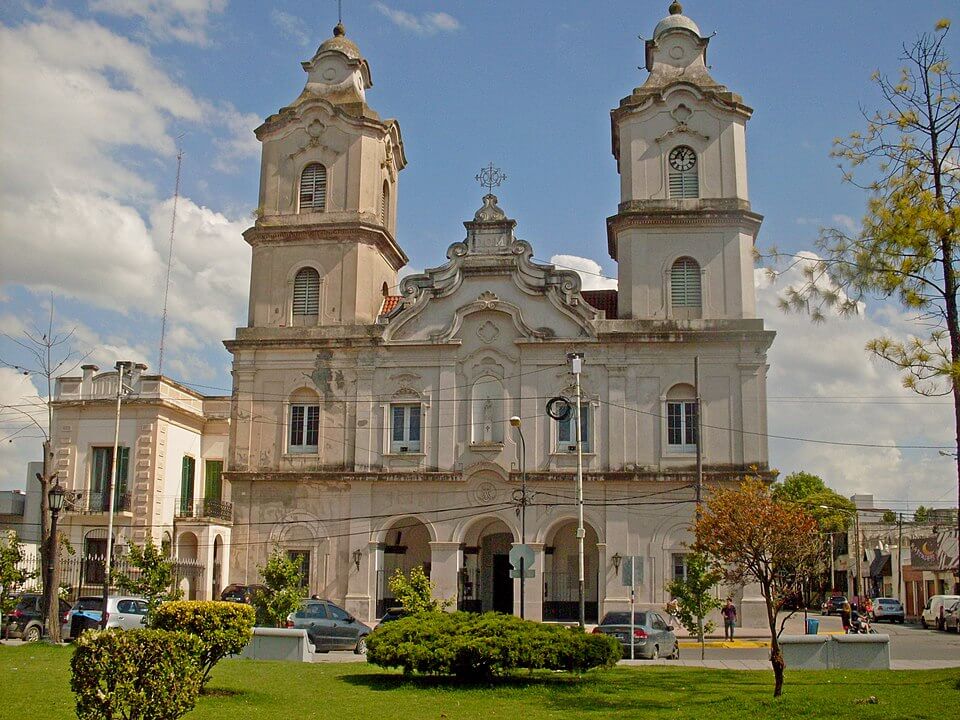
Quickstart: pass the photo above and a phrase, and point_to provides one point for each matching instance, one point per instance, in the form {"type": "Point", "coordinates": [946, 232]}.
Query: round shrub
{"type": "Point", "coordinates": [223, 628]}
{"type": "Point", "coordinates": [135, 674]}
{"type": "Point", "coordinates": [482, 646]}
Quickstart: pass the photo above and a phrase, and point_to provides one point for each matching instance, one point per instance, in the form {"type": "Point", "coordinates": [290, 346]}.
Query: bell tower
{"type": "Point", "coordinates": [323, 242]}
{"type": "Point", "coordinates": [684, 231]}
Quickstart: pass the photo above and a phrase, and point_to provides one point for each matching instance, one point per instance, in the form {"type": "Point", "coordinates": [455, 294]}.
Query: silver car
{"type": "Point", "coordinates": [653, 636]}
{"type": "Point", "coordinates": [126, 612]}
{"type": "Point", "coordinates": [330, 627]}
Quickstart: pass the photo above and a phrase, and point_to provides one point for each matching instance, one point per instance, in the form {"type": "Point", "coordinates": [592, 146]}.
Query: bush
{"type": "Point", "coordinates": [284, 589]}
{"type": "Point", "coordinates": [482, 646]}
{"type": "Point", "coordinates": [223, 628]}
{"type": "Point", "coordinates": [135, 674]}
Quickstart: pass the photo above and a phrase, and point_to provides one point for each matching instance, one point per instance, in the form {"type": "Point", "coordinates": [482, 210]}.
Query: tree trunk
{"type": "Point", "coordinates": [703, 649]}
{"type": "Point", "coordinates": [776, 656]}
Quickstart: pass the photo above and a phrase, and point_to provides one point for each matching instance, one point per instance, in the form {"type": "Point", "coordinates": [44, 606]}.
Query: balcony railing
{"type": "Point", "coordinates": [97, 502]}
{"type": "Point", "coordinates": [204, 508]}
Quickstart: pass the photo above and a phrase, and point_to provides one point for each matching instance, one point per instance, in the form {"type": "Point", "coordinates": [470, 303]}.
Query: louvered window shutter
{"type": "Point", "coordinates": [685, 283]}
{"type": "Point", "coordinates": [684, 183]}
{"type": "Point", "coordinates": [384, 204]}
{"type": "Point", "coordinates": [306, 292]}
{"type": "Point", "coordinates": [313, 188]}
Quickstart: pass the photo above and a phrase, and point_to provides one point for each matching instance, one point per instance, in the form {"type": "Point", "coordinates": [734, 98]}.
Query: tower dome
{"type": "Point", "coordinates": [674, 21]}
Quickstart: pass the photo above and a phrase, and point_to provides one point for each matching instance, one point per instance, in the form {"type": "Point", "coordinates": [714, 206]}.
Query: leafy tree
{"type": "Point", "coordinates": [415, 592]}
{"type": "Point", "coordinates": [889, 516]}
{"type": "Point", "coordinates": [284, 589]}
{"type": "Point", "coordinates": [921, 514]}
{"type": "Point", "coordinates": [753, 538]}
{"type": "Point", "coordinates": [694, 596]}
{"type": "Point", "coordinates": [832, 511]}
{"type": "Point", "coordinates": [12, 576]}
{"type": "Point", "coordinates": [907, 245]}
{"type": "Point", "coordinates": [154, 579]}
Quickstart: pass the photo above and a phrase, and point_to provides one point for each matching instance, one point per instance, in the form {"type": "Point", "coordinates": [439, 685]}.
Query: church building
{"type": "Point", "coordinates": [370, 425]}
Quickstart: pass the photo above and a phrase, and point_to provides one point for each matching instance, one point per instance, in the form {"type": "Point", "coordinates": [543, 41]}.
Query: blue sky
{"type": "Point", "coordinates": [97, 94]}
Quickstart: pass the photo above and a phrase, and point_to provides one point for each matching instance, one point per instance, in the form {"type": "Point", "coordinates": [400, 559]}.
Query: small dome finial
{"type": "Point", "coordinates": [339, 30]}
{"type": "Point", "coordinates": [676, 8]}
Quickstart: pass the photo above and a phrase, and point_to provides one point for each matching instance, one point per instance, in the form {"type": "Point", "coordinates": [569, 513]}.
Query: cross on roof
{"type": "Point", "coordinates": [491, 177]}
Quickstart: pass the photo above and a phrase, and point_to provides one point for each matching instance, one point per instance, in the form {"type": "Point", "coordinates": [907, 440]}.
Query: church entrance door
{"type": "Point", "coordinates": [502, 585]}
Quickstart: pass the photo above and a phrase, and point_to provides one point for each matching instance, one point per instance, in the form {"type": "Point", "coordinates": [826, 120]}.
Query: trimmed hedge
{"type": "Point", "coordinates": [135, 674]}
{"type": "Point", "coordinates": [468, 645]}
{"type": "Point", "coordinates": [224, 628]}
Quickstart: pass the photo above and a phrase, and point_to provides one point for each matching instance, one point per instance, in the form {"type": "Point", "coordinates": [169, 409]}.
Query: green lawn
{"type": "Point", "coordinates": [35, 684]}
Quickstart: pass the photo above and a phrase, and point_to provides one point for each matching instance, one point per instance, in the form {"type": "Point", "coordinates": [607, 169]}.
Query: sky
{"type": "Point", "coordinates": [98, 96]}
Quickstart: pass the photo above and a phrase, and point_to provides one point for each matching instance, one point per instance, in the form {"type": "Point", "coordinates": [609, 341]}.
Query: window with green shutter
{"type": "Point", "coordinates": [213, 487]}
{"type": "Point", "coordinates": [187, 475]}
{"type": "Point", "coordinates": [101, 476]}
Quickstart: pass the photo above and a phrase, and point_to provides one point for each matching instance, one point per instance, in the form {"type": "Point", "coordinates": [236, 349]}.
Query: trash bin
{"type": "Point", "coordinates": [813, 626]}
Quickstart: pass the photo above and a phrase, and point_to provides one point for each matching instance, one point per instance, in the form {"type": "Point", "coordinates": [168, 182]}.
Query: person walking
{"type": "Point", "coordinates": [845, 617]}
{"type": "Point", "coordinates": [729, 612]}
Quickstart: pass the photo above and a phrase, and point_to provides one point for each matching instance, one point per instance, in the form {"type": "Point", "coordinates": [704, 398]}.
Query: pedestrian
{"type": "Point", "coordinates": [672, 608]}
{"type": "Point", "coordinates": [845, 617]}
{"type": "Point", "coordinates": [729, 612]}
{"type": "Point", "coordinates": [868, 609]}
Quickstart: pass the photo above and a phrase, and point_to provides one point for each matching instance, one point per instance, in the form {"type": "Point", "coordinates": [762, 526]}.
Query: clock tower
{"type": "Point", "coordinates": [684, 231]}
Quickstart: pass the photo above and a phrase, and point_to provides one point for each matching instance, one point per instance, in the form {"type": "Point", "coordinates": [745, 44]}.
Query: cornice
{"type": "Point", "coordinates": [334, 231]}
{"type": "Point", "coordinates": [343, 476]}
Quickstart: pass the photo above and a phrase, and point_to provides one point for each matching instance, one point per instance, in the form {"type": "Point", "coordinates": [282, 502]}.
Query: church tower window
{"type": "Point", "coordinates": [306, 292]}
{"type": "Point", "coordinates": [385, 204]}
{"type": "Point", "coordinates": [686, 297]}
{"type": "Point", "coordinates": [684, 179]}
{"type": "Point", "coordinates": [313, 188]}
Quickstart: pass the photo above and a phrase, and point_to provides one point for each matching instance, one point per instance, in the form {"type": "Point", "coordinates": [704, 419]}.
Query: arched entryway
{"type": "Point", "coordinates": [187, 550]}
{"type": "Point", "coordinates": [216, 575]}
{"type": "Point", "coordinates": [406, 545]}
{"type": "Point", "coordinates": [561, 574]}
{"type": "Point", "coordinates": [485, 583]}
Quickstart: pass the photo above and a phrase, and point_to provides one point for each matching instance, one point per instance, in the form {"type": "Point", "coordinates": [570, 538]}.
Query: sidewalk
{"type": "Point", "coordinates": [829, 625]}
{"type": "Point", "coordinates": [765, 664]}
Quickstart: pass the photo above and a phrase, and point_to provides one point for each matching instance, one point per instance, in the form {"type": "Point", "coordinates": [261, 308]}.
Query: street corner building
{"type": "Point", "coordinates": [369, 428]}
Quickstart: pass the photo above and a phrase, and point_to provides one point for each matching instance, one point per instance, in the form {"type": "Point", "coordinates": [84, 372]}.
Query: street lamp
{"type": "Point", "coordinates": [617, 558]}
{"type": "Point", "coordinates": [515, 422]}
{"type": "Point", "coordinates": [55, 499]}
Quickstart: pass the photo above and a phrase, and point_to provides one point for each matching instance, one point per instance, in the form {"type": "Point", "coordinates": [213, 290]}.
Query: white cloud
{"type": "Point", "coordinates": [823, 384]}
{"type": "Point", "coordinates": [591, 274]}
{"type": "Point", "coordinates": [240, 143]}
{"type": "Point", "coordinates": [846, 223]}
{"type": "Point", "coordinates": [428, 23]}
{"type": "Point", "coordinates": [183, 20]}
{"type": "Point", "coordinates": [290, 26]}
{"type": "Point", "coordinates": [20, 440]}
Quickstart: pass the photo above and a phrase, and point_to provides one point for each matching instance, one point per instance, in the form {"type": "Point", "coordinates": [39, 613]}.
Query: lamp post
{"type": "Point", "coordinates": [51, 596]}
{"type": "Point", "coordinates": [576, 367]}
{"type": "Point", "coordinates": [515, 422]}
{"type": "Point", "coordinates": [122, 367]}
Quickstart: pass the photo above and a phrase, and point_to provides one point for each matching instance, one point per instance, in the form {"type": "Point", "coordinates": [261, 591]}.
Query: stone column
{"type": "Point", "coordinates": [444, 568]}
{"type": "Point", "coordinates": [533, 592]}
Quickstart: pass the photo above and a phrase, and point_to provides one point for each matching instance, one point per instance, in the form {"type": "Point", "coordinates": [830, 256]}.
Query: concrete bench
{"type": "Point", "coordinates": [823, 652]}
{"type": "Point", "coordinates": [806, 652]}
{"type": "Point", "coordinates": [278, 644]}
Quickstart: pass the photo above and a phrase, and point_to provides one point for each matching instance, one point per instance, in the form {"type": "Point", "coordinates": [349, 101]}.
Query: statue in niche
{"type": "Point", "coordinates": [488, 420]}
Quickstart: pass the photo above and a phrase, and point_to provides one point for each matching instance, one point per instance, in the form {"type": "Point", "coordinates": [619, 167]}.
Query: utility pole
{"type": "Point", "coordinates": [576, 363]}
{"type": "Point", "coordinates": [696, 391]}
{"type": "Point", "coordinates": [899, 555]}
{"type": "Point", "coordinates": [515, 421]}
{"type": "Point", "coordinates": [856, 525]}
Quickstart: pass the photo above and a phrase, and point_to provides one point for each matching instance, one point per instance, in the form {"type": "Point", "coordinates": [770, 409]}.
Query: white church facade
{"type": "Point", "coordinates": [368, 426]}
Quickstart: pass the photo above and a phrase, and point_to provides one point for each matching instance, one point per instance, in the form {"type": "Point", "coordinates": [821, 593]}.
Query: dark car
{"type": "Point", "coordinates": [394, 613]}
{"type": "Point", "coordinates": [241, 593]}
{"type": "Point", "coordinates": [888, 609]}
{"type": "Point", "coordinates": [27, 619]}
{"type": "Point", "coordinates": [833, 605]}
{"type": "Point", "coordinates": [652, 636]}
{"type": "Point", "coordinates": [330, 627]}
{"type": "Point", "coordinates": [951, 617]}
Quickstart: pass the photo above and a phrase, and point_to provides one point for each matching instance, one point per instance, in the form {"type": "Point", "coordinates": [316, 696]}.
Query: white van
{"type": "Point", "coordinates": [933, 611]}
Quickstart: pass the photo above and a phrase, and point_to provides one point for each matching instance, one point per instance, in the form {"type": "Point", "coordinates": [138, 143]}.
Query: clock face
{"type": "Point", "coordinates": [682, 158]}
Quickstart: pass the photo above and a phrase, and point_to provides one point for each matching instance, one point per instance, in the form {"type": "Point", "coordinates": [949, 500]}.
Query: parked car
{"type": "Point", "coordinates": [126, 612]}
{"type": "Point", "coordinates": [394, 613]}
{"type": "Point", "coordinates": [833, 605]}
{"type": "Point", "coordinates": [330, 627]}
{"type": "Point", "coordinates": [933, 611]}
{"type": "Point", "coordinates": [951, 617]}
{"type": "Point", "coordinates": [888, 609]}
{"type": "Point", "coordinates": [241, 593]}
{"type": "Point", "coordinates": [652, 635]}
{"type": "Point", "coordinates": [27, 620]}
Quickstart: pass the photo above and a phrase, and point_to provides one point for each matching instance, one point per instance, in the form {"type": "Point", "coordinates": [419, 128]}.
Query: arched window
{"type": "Point", "coordinates": [682, 422]}
{"type": "Point", "coordinates": [684, 179]}
{"type": "Point", "coordinates": [686, 298]}
{"type": "Point", "coordinates": [385, 204]}
{"type": "Point", "coordinates": [313, 188]}
{"type": "Point", "coordinates": [306, 293]}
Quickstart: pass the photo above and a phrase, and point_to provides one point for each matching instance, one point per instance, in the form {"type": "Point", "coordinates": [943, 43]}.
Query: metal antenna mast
{"type": "Point", "coordinates": [166, 288]}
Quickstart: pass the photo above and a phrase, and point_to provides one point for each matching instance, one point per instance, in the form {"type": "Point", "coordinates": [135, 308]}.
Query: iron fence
{"type": "Point", "coordinates": [84, 574]}
{"type": "Point", "coordinates": [82, 501]}
{"type": "Point", "coordinates": [204, 508]}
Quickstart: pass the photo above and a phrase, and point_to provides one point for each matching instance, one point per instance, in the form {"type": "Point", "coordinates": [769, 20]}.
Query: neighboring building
{"type": "Point", "coordinates": [368, 429]}
{"type": "Point", "coordinates": [20, 511]}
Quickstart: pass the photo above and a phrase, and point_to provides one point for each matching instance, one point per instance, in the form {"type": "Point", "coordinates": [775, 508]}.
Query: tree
{"type": "Point", "coordinates": [751, 537]}
{"type": "Point", "coordinates": [415, 593]}
{"type": "Point", "coordinates": [284, 588]}
{"type": "Point", "coordinates": [921, 514]}
{"type": "Point", "coordinates": [907, 245]}
{"type": "Point", "coordinates": [695, 598]}
{"type": "Point", "coordinates": [889, 516]}
{"type": "Point", "coordinates": [49, 354]}
{"type": "Point", "coordinates": [12, 575]}
{"type": "Point", "coordinates": [154, 577]}
{"type": "Point", "coordinates": [831, 510]}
